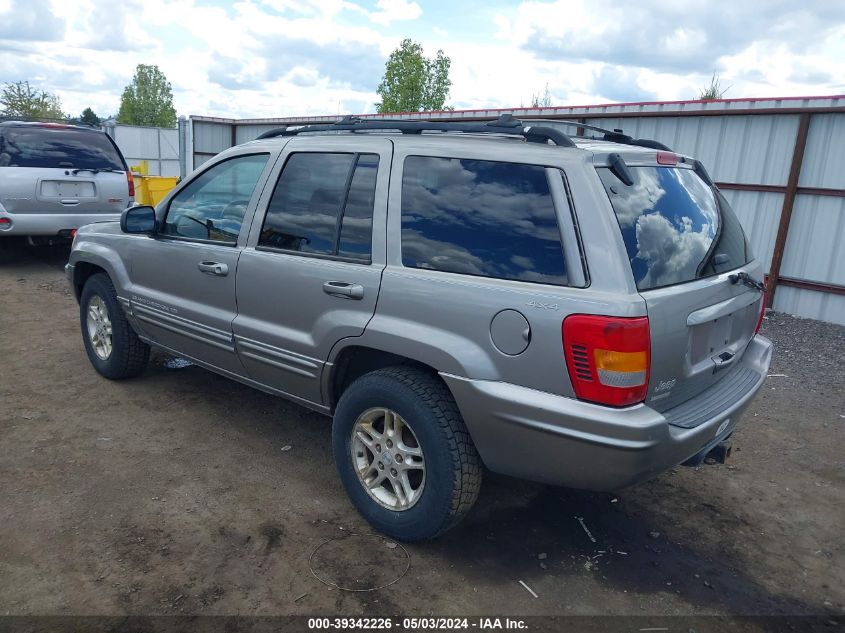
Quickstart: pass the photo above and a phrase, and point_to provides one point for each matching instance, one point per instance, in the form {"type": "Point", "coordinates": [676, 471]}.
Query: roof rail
{"type": "Point", "coordinates": [505, 124]}
{"type": "Point", "coordinates": [11, 121]}
{"type": "Point", "coordinates": [615, 136]}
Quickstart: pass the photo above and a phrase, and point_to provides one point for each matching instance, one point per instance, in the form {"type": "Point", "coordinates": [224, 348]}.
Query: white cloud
{"type": "Point", "coordinates": [672, 253]}
{"type": "Point", "coordinates": [669, 50]}
{"type": "Point", "coordinates": [326, 8]}
{"type": "Point", "coordinates": [642, 196]}
{"type": "Point", "coordinates": [256, 58]}
{"type": "Point", "coordinates": [394, 11]}
{"type": "Point", "coordinates": [29, 20]}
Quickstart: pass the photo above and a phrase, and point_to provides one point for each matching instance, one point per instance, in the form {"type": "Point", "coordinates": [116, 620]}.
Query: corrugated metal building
{"type": "Point", "coordinates": [780, 162]}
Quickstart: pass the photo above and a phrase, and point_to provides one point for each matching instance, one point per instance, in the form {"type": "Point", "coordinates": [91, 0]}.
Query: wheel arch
{"type": "Point", "coordinates": [353, 361]}
{"type": "Point", "coordinates": [82, 272]}
{"type": "Point", "coordinates": [97, 259]}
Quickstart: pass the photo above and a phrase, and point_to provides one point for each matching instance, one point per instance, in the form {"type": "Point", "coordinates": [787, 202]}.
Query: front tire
{"type": "Point", "coordinates": [404, 454]}
{"type": "Point", "coordinates": [113, 347]}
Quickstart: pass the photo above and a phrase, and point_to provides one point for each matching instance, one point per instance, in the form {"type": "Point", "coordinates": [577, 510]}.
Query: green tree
{"type": "Point", "coordinates": [413, 82]}
{"type": "Point", "coordinates": [89, 117]}
{"type": "Point", "coordinates": [20, 100]}
{"type": "Point", "coordinates": [714, 90]}
{"type": "Point", "coordinates": [148, 100]}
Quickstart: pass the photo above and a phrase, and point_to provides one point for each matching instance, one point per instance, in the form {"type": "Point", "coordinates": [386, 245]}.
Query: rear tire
{"type": "Point", "coordinates": [435, 438]}
{"type": "Point", "coordinates": [113, 347]}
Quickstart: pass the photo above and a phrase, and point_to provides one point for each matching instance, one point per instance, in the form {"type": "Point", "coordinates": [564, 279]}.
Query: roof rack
{"type": "Point", "coordinates": [505, 125]}
{"type": "Point", "coordinates": [614, 136]}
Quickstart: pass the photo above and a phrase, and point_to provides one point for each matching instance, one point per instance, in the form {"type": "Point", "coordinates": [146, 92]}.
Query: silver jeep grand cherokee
{"type": "Point", "coordinates": [577, 311]}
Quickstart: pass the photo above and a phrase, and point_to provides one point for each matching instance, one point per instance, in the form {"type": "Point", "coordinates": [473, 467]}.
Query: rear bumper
{"type": "Point", "coordinates": [549, 438]}
{"type": "Point", "coordinates": [51, 223]}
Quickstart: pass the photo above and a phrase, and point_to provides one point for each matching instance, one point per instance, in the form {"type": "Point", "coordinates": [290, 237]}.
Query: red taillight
{"type": "Point", "coordinates": [667, 158]}
{"type": "Point", "coordinates": [73, 232]}
{"type": "Point", "coordinates": [131, 182]}
{"type": "Point", "coordinates": [608, 358]}
{"type": "Point", "coordinates": [5, 222]}
{"type": "Point", "coordinates": [762, 313]}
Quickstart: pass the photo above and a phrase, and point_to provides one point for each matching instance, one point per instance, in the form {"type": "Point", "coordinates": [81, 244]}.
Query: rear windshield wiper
{"type": "Point", "coordinates": [95, 170]}
{"type": "Point", "coordinates": [744, 278]}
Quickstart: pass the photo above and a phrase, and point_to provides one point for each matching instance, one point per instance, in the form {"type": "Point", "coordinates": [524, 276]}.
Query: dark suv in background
{"type": "Point", "coordinates": [55, 178]}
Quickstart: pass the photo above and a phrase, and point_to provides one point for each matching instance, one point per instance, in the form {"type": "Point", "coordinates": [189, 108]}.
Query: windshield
{"type": "Point", "coordinates": [674, 227]}
{"type": "Point", "coordinates": [57, 147]}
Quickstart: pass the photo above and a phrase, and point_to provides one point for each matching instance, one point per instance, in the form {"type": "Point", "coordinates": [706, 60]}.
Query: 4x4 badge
{"type": "Point", "coordinates": [540, 304]}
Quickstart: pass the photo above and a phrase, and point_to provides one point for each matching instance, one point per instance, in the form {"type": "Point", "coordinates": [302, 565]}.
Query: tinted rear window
{"type": "Point", "coordinates": [57, 148]}
{"type": "Point", "coordinates": [478, 217]}
{"type": "Point", "coordinates": [674, 227]}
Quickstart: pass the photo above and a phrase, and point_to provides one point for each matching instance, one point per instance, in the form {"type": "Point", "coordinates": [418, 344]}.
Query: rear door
{"type": "Point", "coordinates": [60, 169]}
{"type": "Point", "coordinates": [686, 246]}
{"type": "Point", "coordinates": [183, 278]}
{"type": "Point", "coordinates": [310, 275]}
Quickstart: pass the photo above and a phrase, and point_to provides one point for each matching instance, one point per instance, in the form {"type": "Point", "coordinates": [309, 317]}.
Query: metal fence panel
{"type": "Point", "coordinates": [210, 138]}
{"type": "Point", "coordinates": [815, 248]}
{"type": "Point", "coordinates": [758, 213]}
{"type": "Point", "coordinates": [814, 305]}
{"type": "Point", "coordinates": [743, 149]}
{"type": "Point", "coordinates": [245, 133]}
{"type": "Point", "coordinates": [824, 158]}
{"type": "Point", "coordinates": [158, 146]}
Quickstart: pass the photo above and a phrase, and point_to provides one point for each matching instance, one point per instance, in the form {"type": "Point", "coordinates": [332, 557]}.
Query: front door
{"type": "Point", "coordinates": [310, 273]}
{"type": "Point", "coordinates": [183, 278]}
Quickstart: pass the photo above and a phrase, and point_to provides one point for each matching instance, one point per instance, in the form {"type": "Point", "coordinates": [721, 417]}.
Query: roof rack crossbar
{"type": "Point", "coordinates": [586, 126]}
{"type": "Point", "coordinates": [616, 136]}
{"type": "Point", "coordinates": [505, 125]}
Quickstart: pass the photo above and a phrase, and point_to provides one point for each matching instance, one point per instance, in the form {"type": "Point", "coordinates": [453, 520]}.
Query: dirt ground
{"type": "Point", "coordinates": [174, 494]}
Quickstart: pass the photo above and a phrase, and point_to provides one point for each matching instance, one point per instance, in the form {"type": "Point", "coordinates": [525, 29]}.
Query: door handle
{"type": "Point", "coordinates": [213, 268]}
{"type": "Point", "coordinates": [343, 289]}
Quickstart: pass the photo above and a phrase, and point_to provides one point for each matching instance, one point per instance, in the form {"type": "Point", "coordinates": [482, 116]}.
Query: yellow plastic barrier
{"type": "Point", "coordinates": [150, 189]}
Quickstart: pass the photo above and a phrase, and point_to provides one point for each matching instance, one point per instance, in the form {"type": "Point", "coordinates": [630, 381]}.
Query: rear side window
{"type": "Point", "coordinates": [57, 147]}
{"type": "Point", "coordinates": [477, 217]}
{"type": "Point", "coordinates": [675, 229]}
{"type": "Point", "coordinates": [323, 205]}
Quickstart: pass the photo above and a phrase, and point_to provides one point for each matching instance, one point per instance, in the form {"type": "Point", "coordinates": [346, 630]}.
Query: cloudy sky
{"type": "Point", "coordinates": [262, 58]}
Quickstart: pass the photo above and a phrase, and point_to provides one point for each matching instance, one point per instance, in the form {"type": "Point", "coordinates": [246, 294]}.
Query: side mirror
{"type": "Point", "coordinates": [140, 219]}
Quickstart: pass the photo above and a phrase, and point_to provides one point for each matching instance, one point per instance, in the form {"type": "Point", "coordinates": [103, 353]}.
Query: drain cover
{"type": "Point", "coordinates": [359, 562]}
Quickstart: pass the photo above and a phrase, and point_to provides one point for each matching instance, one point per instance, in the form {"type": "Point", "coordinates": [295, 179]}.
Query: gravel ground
{"type": "Point", "coordinates": [172, 494]}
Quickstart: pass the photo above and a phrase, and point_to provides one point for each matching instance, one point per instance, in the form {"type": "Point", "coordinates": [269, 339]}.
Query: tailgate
{"type": "Point", "coordinates": [85, 192]}
{"type": "Point", "coordinates": [698, 332]}
{"type": "Point", "coordinates": [35, 190]}
{"type": "Point", "coordinates": [692, 265]}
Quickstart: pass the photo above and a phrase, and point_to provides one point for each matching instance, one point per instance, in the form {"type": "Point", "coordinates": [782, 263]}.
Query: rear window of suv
{"type": "Point", "coordinates": [676, 228]}
{"type": "Point", "coordinates": [57, 147]}
{"type": "Point", "coordinates": [485, 218]}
